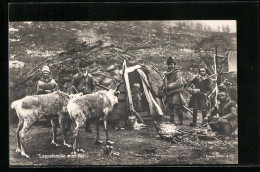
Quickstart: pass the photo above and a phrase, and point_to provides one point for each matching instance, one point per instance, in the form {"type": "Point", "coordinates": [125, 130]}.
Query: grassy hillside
{"type": "Point", "coordinates": [104, 46]}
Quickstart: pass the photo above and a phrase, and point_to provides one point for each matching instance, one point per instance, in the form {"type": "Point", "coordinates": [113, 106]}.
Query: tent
{"type": "Point", "coordinates": [228, 61]}
{"type": "Point", "coordinates": [232, 61]}
{"type": "Point", "coordinates": [151, 104]}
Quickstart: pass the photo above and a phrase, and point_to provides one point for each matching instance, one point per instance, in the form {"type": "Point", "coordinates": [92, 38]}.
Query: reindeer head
{"type": "Point", "coordinates": [116, 91]}
{"type": "Point", "coordinates": [67, 97]}
{"type": "Point", "coordinates": [75, 95]}
{"type": "Point", "coordinates": [114, 94]}
{"type": "Point", "coordinates": [63, 95]}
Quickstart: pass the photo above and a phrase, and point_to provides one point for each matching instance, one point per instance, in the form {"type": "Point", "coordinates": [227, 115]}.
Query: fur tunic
{"type": "Point", "coordinates": [46, 84]}
{"type": "Point", "coordinates": [228, 111]}
{"type": "Point", "coordinates": [200, 100]}
{"type": "Point", "coordinates": [174, 86]}
{"type": "Point", "coordinates": [83, 84]}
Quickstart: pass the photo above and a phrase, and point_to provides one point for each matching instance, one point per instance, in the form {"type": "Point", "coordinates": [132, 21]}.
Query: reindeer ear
{"type": "Point", "coordinates": [118, 86]}
{"type": "Point", "coordinates": [68, 96]}
{"type": "Point", "coordinates": [117, 93]}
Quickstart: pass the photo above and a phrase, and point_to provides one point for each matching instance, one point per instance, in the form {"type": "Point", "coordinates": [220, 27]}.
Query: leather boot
{"type": "Point", "coordinates": [180, 115]}
{"type": "Point", "coordinates": [160, 119]}
{"type": "Point", "coordinates": [204, 114]}
{"type": "Point", "coordinates": [194, 120]}
{"type": "Point", "coordinates": [171, 113]}
{"type": "Point", "coordinates": [172, 116]}
{"type": "Point", "coordinates": [88, 127]}
{"type": "Point", "coordinates": [68, 125]}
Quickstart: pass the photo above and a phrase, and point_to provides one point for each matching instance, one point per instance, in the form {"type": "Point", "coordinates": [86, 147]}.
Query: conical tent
{"type": "Point", "coordinates": [151, 105]}
{"type": "Point", "coordinates": [232, 61]}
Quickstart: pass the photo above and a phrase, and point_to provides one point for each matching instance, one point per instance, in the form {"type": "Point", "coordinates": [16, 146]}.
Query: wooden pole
{"type": "Point", "coordinates": [216, 86]}
{"type": "Point", "coordinates": [102, 86]}
{"type": "Point", "coordinates": [128, 89]}
{"type": "Point", "coordinates": [216, 59]}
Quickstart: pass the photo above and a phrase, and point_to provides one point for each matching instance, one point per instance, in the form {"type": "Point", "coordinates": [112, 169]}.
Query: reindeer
{"type": "Point", "coordinates": [96, 106]}
{"type": "Point", "coordinates": [47, 106]}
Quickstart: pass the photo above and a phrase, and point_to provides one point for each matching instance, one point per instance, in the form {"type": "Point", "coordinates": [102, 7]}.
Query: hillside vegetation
{"type": "Point", "coordinates": [104, 46]}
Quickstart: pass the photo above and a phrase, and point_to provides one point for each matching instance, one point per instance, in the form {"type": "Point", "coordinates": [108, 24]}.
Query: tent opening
{"type": "Point", "coordinates": [134, 77]}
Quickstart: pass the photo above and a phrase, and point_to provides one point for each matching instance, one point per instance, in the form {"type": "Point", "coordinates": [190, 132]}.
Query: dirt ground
{"type": "Point", "coordinates": [130, 148]}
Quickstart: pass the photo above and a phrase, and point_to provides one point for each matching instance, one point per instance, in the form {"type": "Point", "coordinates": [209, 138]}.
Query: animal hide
{"type": "Point", "coordinates": [42, 106]}
{"type": "Point", "coordinates": [155, 80]}
{"type": "Point", "coordinates": [94, 105]}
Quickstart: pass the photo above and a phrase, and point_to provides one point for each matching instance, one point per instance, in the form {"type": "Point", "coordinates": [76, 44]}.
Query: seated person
{"type": "Point", "coordinates": [226, 122]}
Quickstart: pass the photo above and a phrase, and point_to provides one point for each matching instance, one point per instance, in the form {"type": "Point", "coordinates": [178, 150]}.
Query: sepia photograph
{"type": "Point", "coordinates": [133, 92]}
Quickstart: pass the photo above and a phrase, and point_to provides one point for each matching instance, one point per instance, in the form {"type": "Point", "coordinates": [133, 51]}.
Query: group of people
{"type": "Point", "coordinates": [221, 115]}
{"type": "Point", "coordinates": [81, 82]}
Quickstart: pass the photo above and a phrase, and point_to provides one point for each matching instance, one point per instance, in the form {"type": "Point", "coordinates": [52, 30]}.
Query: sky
{"type": "Point", "coordinates": [215, 23]}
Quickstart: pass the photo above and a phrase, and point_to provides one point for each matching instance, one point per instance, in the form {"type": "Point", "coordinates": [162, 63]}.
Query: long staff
{"type": "Point", "coordinates": [216, 85]}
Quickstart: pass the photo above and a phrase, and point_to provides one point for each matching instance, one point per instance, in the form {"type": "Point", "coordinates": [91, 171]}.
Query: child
{"type": "Point", "coordinates": [200, 88]}
{"type": "Point", "coordinates": [137, 97]}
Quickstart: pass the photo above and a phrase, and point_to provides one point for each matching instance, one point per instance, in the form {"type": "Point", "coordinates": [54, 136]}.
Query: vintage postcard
{"type": "Point", "coordinates": [139, 92]}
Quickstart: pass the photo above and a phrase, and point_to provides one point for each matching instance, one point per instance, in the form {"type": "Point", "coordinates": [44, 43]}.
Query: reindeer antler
{"type": "Point", "coordinates": [117, 88]}
{"type": "Point", "coordinates": [102, 86]}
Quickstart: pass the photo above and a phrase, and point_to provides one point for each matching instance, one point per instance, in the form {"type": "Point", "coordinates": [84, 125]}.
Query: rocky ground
{"type": "Point", "coordinates": [131, 147]}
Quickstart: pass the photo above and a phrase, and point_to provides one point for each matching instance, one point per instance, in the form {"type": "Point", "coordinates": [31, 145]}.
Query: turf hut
{"type": "Point", "coordinates": [150, 83]}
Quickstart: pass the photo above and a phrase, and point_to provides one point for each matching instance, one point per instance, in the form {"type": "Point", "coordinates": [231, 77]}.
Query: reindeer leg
{"type": "Point", "coordinates": [81, 123]}
{"type": "Point", "coordinates": [108, 141]}
{"type": "Point", "coordinates": [26, 127]}
{"type": "Point", "coordinates": [20, 126]}
{"type": "Point", "coordinates": [62, 120]}
{"type": "Point", "coordinates": [98, 141]}
{"type": "Point", "coordinates": [79, 150]}
{"type": "Point", "coordinates": [76, 145]}
{"type": "Point", "coordinates": [54, 132]}
{"type": "Point", "coordinates": [75, 135]}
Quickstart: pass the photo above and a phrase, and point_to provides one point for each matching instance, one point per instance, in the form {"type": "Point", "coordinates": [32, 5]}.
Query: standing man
{"type": "Point", "coordinates": [174, 85]}
{"type": "Point", "coordinates": [83, 82]}
{"type": "Point", "coordinates": [200, 88]}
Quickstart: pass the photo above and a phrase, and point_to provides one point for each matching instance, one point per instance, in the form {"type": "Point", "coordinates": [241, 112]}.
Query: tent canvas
{"type": "Point", "coordinates": [151, 105]}
{"type": "Point", "coordinates": [232, 61]}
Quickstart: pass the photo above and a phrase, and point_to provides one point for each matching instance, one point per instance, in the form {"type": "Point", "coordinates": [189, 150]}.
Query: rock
{"type": "Point", "coordinates": [107, 81]}
{"type": "Point", "coordinates": [111, 67]}
{"type": "Point", "coordinates": [16, 64]}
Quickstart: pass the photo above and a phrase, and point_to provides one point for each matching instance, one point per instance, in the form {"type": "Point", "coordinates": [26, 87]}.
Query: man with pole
{"type": "Point", "coordinates": [83, 82]}
{"type": "Point", "coordinates": [174, 85]}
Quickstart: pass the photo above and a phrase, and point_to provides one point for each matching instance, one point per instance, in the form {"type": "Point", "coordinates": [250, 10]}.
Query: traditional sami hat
{"type": "Point", "coordinates": [170, 60]}
{"type": "Point", "coordinates": [45, 69]}
{"type": "Point", "coordinates": [203, 65]}
{"type": "Point", "coordinates": [220, 94]}
{"type": "Point", "coordinates": [222, 88]}
{"type": "Point", "coordinates": [82, 64]}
